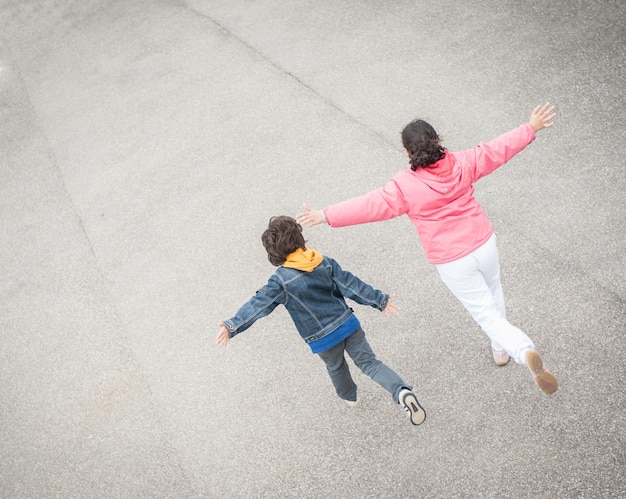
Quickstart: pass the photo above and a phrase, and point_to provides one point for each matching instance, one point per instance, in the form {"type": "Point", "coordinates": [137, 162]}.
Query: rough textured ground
{"type": "Point", "coordinates": [145, 144]}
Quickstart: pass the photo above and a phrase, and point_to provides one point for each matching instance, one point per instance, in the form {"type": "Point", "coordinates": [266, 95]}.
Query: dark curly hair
{"type": "Point", "coordinates": [422, 143]}
{"type": "Point", "coordinates": [282, 236]}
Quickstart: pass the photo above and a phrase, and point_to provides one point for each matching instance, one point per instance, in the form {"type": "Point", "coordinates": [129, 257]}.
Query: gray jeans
{"type": "Point", "coordinates": [361, 353]}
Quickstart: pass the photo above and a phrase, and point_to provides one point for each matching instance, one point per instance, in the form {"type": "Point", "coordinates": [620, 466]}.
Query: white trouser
{"type": "Point", "coordinates": [475, 281]}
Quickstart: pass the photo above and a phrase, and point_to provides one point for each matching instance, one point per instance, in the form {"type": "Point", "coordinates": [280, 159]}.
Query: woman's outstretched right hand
{"type": "Point", "coordinates": [310, 217]}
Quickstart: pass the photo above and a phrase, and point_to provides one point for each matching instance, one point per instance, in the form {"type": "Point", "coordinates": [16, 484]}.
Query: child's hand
{"type": "Point", "coordinates": [392, 309]}
{"type": "Point", "coordinates": [223, 336]}
{"type": "Point", "coordinates": [542, 117]}
{"type": "Point", "coordinates": [310, 217]}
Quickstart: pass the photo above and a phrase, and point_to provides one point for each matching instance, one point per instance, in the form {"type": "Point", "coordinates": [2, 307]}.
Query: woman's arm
{"type": "Point", "coordinates": [488, 156]}
{"type": "Point", "coordinates": [382, 204]}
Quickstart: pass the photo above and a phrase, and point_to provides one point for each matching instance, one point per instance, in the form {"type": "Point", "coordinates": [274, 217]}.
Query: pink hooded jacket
{"type": "Point", "coordinates": [439, 200]}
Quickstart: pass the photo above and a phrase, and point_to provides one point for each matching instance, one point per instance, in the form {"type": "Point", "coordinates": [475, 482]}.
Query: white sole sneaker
{"type": "Point", "coordinates": [409, 401]}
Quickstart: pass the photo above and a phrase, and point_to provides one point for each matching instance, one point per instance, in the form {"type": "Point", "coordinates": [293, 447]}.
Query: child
{"type": "Point", "coordinates": [437, 194]}
{"type": "Point", "coordinates": [312, 288]}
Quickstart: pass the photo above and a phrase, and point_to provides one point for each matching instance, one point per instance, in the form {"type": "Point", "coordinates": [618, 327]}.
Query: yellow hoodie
{"type": "Point", "coordinates": [303, 259]}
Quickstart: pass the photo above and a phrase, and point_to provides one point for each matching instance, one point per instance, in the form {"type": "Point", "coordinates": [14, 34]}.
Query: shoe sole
{"type": "Point", "coordinates": [416, 411]}
{"type": "Point", "coordinates": [545, 380]}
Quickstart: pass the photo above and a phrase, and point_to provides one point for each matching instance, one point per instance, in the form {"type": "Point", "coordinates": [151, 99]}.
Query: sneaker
{"type": "Point", "coordinates": [500, 357]}
{"type": "Point", "coordinates": [351, 403]}
{"type": "Point", "coordinates": [410, 403]}
{"type": "Point", "coordinates": [542, 376]}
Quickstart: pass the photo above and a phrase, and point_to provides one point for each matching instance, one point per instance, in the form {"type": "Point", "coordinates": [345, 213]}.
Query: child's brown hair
{"type": "Point", "coordinates": [282, 236]}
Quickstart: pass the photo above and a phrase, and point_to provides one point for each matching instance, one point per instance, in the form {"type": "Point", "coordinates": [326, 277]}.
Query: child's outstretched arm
{"type": "Point", "coordinates": [392, 309]}
{"type": "Point", "coordinates": [223, 337]}
{"type": "Point", "coordinates": [542, 117]}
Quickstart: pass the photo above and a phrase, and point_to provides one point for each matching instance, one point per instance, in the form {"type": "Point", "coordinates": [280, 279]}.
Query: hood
{"type": "Point", "coordinates": [441, 176]}
{"type": "Point", "coordinates": [303, 259]}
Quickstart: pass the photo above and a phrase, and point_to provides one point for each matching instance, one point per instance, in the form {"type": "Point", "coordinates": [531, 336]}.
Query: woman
{"type": "Point", "coordinates": [436, 192]}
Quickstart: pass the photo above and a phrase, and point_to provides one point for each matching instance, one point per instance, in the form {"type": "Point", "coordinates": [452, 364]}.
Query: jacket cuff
{"type": "Point", "coordinates": [231, 327]}
{"type": "Point", "coordinates": [384, 302]}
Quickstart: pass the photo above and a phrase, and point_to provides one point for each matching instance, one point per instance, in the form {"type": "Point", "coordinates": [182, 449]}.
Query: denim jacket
{"type": "Point", "coordinates": [314, 300]}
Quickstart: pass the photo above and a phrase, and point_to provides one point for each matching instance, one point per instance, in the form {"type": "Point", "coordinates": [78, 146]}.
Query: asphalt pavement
{"type": "Point", "coordinates": [144, 145]}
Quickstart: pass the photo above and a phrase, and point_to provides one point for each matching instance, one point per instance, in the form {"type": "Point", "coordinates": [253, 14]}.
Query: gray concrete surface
{"type": "Point", "coordinates": [145, 144]}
